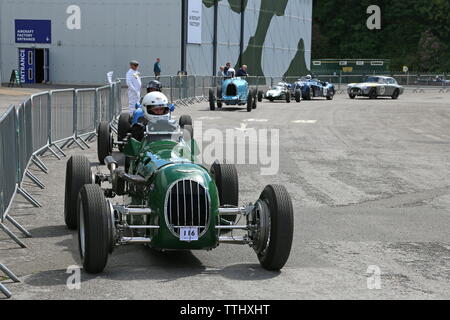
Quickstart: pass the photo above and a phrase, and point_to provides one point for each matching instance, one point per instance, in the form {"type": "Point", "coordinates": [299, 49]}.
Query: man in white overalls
{"type": "Point", "coordinates": [134, 85]}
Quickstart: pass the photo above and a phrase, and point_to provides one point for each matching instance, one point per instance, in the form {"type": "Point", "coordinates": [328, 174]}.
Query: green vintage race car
{"type": "Point", "coordinates": [171, 203]}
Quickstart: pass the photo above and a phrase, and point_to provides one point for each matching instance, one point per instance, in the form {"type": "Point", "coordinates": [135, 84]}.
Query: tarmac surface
{"type": "Point", "coordinates": [370, 184]}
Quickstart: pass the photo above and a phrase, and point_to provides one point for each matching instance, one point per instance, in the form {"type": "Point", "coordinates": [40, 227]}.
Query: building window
{"type": "Point", "coordinates": [377, 63]}
{"type": "Point", "coordinates": [342, 63]}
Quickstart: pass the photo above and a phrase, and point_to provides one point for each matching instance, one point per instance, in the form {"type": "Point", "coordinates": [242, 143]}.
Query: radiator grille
{"type": "Point", "coordinates": [231, 90]}
{"type": "Point", "coordinates": [187, 205]}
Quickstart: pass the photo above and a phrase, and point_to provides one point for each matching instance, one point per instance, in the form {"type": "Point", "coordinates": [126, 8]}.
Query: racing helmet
{"type": "Point", "coordinates": [154, 85]}
{"type": "Point", "coordinates": [231, 72]}
{"type": "Point", "coordinates": [308, 77]}
{"type": "Point", "coordinates": [155, 104]}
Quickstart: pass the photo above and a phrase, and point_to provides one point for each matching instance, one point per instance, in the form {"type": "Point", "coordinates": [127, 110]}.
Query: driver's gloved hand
{"type": "Point", "coordinates": [138, 131]}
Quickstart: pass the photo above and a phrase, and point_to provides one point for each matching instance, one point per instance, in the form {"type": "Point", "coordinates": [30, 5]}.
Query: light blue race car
{"type": "Point", "coordinates": [233, 92]}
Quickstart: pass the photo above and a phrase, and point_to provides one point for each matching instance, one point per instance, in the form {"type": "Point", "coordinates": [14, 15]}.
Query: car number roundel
{"type": "Point", "coordinates": [382, 90]}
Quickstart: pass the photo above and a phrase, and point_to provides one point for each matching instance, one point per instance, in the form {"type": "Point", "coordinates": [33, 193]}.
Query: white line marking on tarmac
{"type": "Point", "coordinates": [256, 120]}
{"type": "Point", "coordinates": [209, 118]}
{"type": "Point", "coordinates": [305, 121]}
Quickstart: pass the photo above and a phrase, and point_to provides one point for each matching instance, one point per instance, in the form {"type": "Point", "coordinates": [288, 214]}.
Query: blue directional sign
{"type": "Point", "coordinates": [33, 31]}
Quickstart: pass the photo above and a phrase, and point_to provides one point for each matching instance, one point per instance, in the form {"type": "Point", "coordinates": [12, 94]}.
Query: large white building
{"type": "Point", "coordinates": [79, 41]}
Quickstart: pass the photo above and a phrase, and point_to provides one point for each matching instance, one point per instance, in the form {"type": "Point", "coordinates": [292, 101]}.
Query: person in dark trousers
{"type": "Point", "coordinates": [157, 68]}
{"type": "Point", "coordinates": [227, 66]}
{"type": "Point", "coordinates": [242, 72]}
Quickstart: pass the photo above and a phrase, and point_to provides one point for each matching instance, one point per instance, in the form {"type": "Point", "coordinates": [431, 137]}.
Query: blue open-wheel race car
{"type": "Point", "coordinates": [233, 92]}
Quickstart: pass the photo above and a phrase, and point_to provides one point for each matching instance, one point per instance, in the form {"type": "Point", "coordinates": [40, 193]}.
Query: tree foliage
{"type": "Point", "coordinates": [415, 33]}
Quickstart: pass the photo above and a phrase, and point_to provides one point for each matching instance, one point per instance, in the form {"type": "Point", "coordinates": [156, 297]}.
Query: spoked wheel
{"type": "Point", "coordinates": [124, 127]}
{"type": "Point", "coordinates": [274, 221]}
{"type": "Point", "coordinates": [78, 173]}
{"type": "Point", "coordinates": [249, 102]}
{"type": "Point", "coordinates": [212, 102]}
{"type": "Point", "coordinates": [96, 230]}
{"type": "Point", "coordinates": [227, 182]}
{"type": "Point", "coordinates": [104, 141]}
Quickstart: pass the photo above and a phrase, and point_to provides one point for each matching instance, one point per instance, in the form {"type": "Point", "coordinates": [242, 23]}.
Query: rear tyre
{"type": "Point", "coordinates": [249, 102]}
{"type": "Point", "coordinates": [78, 173]}
{"type": "Point", "coordinates": [104, 141]}
{"type": "Point", "coordinates": [396, 94]}
{"type": "Point", "coordinates": [288, 97]}
{"type": "Point", "coordinates": [307, 94]}
{"type": "Point", "coordinates": [227, 182]}
{"type": "Point", "coordinates": [123, 128]}
{"type": "Point", "coordinates": [212, 104]}
{"type": "Point", "coordinates": [255, 99]}
{"type": "Point", "coordinates": [352, 96]}
{"type": "Point", "coordinates": [298, 96]}
{"type": "Point", "coordinates": [219, 96]}
{"type": "Point", "coordinates": [260, 96]}
{"type": "Point", "coordinates": [95, 232]}
{"type": "Point", "coordinates": [275, 254]}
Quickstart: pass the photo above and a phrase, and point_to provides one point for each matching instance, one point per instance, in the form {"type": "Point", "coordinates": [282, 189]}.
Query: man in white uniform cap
{"type": "Point", "coordinates": [134, 85]}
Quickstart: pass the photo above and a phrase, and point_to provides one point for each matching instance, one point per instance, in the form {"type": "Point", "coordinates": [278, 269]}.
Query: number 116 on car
{"type": "Point", "coordinates": [188, 234]}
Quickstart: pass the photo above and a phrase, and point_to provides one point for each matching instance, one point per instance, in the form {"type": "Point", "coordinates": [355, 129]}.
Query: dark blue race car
{"type": "Point", "coordinates": [311, 88]}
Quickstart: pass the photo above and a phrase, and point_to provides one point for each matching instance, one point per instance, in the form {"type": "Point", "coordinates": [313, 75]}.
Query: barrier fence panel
{"type": "Point", "coordinates": [24, 136]}
{"type": "Point", "coordinates": [39, 119]}
{"type": "Point", "coordinates": [104, 103]}
{"type": "Point", "coordinates": [8, 159]}
{"type": "Point", "coordinates": [86, 117]}
{"type": "Point", "coordinates": [62, 114]}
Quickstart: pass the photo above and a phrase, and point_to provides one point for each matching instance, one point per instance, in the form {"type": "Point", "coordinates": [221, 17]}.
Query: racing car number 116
{"type": "Point", "coordinates": [188, 234]}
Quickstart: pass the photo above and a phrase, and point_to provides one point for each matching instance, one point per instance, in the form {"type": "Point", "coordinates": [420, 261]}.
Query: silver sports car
{"type": "Point", "coordinates": [376, 86]}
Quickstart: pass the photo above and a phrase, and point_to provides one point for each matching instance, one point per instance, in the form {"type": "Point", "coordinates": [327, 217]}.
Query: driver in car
{"type": "Point", "coordinates": [156, 111]}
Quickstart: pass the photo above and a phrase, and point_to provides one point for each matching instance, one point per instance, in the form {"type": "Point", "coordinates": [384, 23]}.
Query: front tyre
{"type": "Point", "coordinates": [95, 232]}
{"type": "Point", "coordinates": [227, 182]}
{"type": "Point", "coordinates": [277, 219]}
{"type": "Point", "coordinates": [330, 95]}
{"type": "Point", "coordinates": [104, 141]}
{"type": "Point", "coordinates": [352, 96]}
{"type": "Point", "coordinates": [185, 120]}
{"type": "Point", "coordinates": [212, 103]}
{"type": "Point", "coordinates": [78, 173]}
{"type": "Point", "coordinates": [396, 94]}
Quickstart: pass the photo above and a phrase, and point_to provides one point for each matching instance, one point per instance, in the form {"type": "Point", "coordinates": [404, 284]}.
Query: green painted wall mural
{"type": "Point", "coordinates": [257, 43]}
